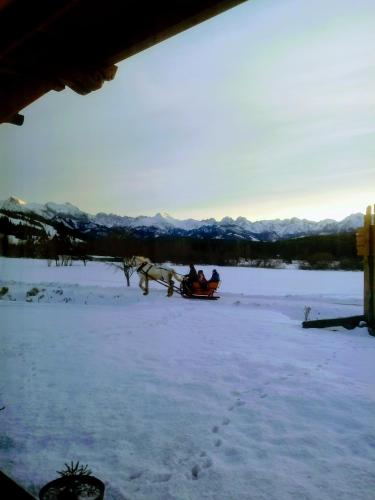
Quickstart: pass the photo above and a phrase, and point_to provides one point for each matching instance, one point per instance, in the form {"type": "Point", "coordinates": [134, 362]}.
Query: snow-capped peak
{"type": "Point", "coordinates": [49, 210]}
{"type": "Point", "coordinates": [227, 220]}
{"type": "Point", "coordinates": [17, 201]}
{"type": "Point", "coordinates": [12, 203]}
{"type": "Point", "coordinates": [63, 208]}
{"type": "Point", "coordinates": [164, 215]}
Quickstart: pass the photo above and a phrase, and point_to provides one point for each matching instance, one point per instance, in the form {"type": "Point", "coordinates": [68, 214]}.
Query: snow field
{"type": "Point", "coordinates": [178, 399]}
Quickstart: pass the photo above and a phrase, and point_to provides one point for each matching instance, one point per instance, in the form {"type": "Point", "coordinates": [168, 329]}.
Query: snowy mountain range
{"type": "Point", "coordinates": [50, 216]}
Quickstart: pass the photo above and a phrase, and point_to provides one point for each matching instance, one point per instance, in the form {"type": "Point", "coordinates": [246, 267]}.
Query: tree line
{"type": "Point", "coordinates": [318, 252]}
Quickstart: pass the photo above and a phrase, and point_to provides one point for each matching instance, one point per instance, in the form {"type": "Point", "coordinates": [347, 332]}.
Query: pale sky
{"type": "Point", "coordinates": [266, 111]}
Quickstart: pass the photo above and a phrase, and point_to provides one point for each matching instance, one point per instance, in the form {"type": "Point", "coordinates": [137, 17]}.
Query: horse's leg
{"type": "Point", "coordinates": [170, 287]}
{"type": "Point", "coordinates": [143, 280]}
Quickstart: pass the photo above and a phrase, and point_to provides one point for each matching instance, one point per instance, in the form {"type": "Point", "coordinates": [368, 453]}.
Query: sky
{"type": "Point", "coordinates": [265, 111]}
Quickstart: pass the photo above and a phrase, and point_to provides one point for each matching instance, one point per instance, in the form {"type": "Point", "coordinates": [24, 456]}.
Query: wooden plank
{"type": "Point", "coordinates": [349, 322]}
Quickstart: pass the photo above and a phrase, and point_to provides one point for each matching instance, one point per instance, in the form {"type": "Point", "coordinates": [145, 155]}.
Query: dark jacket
{"type": "Point", "coordinates": [193, 275]}
{"type": "Point", "coordinates": [215, 276]}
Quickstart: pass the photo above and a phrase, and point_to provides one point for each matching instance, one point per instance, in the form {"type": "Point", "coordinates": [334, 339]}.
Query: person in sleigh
{"type": "Point", "coordinates": [189, 279]}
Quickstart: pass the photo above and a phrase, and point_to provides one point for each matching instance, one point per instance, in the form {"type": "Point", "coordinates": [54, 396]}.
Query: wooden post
{"type": "Point", "coordinates": [371, 320]}
{"type": "Point", "coordinates": [365, 240]}
{"type": "Point", "coordinates": [366, 268]}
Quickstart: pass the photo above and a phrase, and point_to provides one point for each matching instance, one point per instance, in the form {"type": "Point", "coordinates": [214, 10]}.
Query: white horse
{"type": "Point", "coordinates": [148, 271]}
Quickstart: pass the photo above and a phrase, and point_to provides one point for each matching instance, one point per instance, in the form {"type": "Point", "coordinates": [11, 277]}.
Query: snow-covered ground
{"type": "Point", "coordinates": [168, 398]}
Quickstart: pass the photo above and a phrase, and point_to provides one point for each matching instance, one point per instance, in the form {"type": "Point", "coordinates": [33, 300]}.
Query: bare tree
{"type": "Point", "coordinates": [128, 267]}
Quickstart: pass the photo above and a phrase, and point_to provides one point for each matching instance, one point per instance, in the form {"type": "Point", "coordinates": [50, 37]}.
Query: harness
{"type": "Point", "coordinates": [141, 270]}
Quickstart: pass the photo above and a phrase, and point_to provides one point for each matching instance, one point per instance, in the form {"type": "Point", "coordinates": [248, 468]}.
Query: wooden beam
{"type": "Point", "coordinates": [159, 34]}
{"type": "Point", "coordinates": [44, 23]}
{"type": "Point", "coordinates": [22, 93]}
{"type": "Point", "coordinates": [83, 81]}
{"type": "Point", "coordinates": [349, 322]}
{"type": "Point", "coordinates": [16, 120]}
{"type": "Point", "coordinates": [42, 42]}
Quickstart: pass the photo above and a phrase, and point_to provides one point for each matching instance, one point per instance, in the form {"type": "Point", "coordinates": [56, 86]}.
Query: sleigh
{"type": "Point", "coordinates": [195, 291]}
{"type": "Point", "coordinates": [163, 275]}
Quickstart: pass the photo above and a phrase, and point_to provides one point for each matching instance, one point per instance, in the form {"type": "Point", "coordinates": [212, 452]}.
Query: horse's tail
{"type": "Point", "coordinates": [178, 277]}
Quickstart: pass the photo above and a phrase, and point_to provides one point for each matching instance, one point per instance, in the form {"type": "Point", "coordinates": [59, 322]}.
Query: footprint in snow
{"type": "Point", "coordinates": [162, 477]}
{"type": "Point", "coordinates": [215, 429]}
{"type": "Point", "coordinates": [260, 393]}
{"type": "Point", "coordinates": [225, 421]}
{"type": "Point", "coordinates": [135, 475]}
{"type": "Point", "coordinates": [195, 471]}
{"type": "Point", "coordinates": [239, 402]}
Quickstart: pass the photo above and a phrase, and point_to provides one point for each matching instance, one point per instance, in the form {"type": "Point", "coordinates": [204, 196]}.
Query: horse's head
{"type": "Point", "coordinates": [138, 260]}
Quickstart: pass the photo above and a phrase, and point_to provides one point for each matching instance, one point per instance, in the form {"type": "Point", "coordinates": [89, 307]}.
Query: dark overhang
{"type": "Point", "coordinates": [50, 44]}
